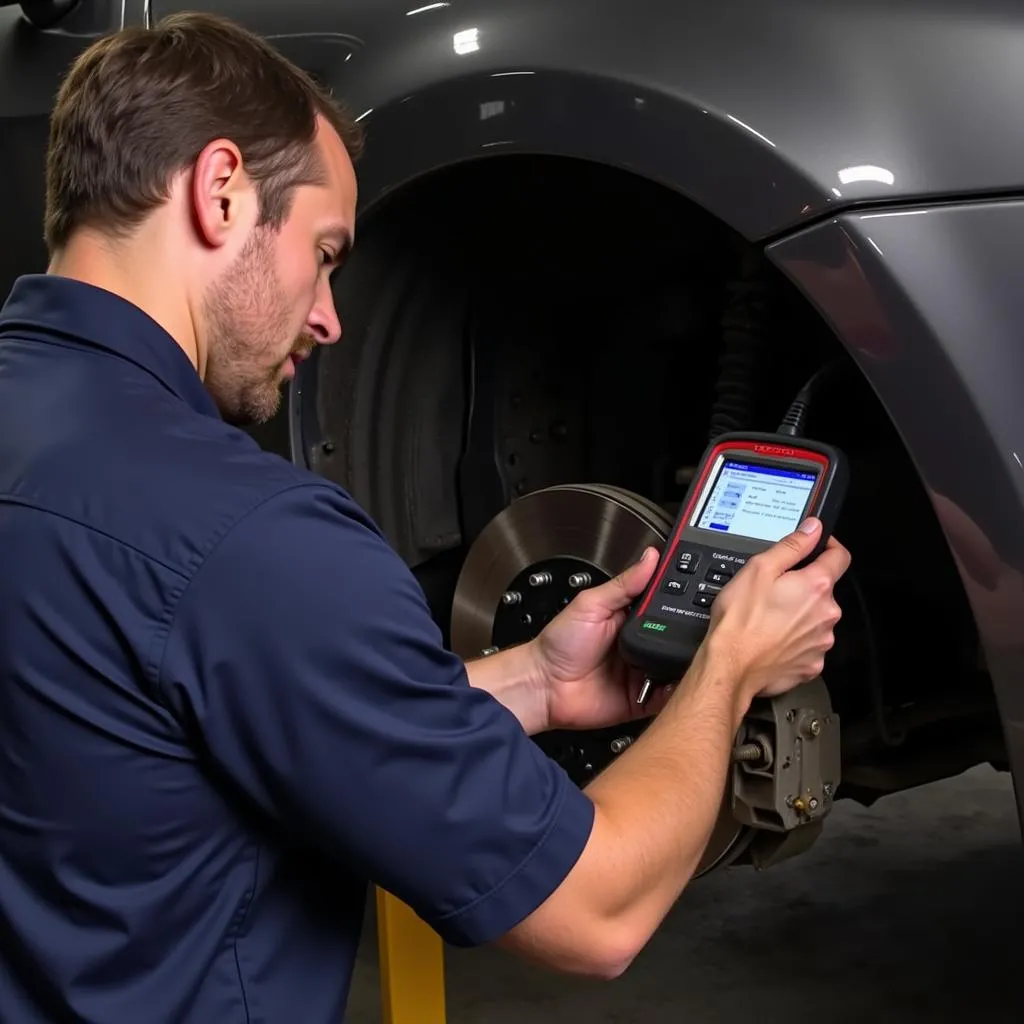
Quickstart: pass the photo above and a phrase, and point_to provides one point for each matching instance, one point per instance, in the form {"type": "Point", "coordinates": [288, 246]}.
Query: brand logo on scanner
{"type": "Point", "coordinates": [774, 449]}
{"type": "Point", "coordinates": [658, 627]}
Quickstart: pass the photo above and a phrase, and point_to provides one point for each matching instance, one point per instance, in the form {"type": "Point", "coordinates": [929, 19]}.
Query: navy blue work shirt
{"type": "Point", "coordinates": [224, 707]}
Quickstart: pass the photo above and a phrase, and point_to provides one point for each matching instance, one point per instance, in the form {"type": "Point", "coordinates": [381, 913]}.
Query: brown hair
{"type": "Point", "coordinates": [139, 105]}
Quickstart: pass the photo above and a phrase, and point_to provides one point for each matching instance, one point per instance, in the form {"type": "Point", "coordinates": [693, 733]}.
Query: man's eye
{"type": "Point", "coordinates": [328, 256]}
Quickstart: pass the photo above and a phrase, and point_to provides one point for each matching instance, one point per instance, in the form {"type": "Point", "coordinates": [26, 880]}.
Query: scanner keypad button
{"type": "Point", "coordinates": [687, 561]}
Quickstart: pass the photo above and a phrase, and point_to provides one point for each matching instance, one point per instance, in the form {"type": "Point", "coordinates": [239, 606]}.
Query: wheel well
{"type": "Point", "coordinates": [520, 321]}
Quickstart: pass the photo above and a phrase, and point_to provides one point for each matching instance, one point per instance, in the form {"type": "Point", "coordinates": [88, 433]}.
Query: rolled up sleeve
{"type": "Point", "coordinates": [303, 661]}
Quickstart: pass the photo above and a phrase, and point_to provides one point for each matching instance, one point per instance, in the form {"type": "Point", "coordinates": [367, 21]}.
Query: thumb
{"type": "Point", "coordinates": [793, 547]}
{"type": "Point", "coordinates": [620, 591]}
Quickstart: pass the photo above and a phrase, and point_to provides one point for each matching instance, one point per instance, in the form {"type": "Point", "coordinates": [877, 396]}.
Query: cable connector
{"type": "Point", "coordinates": [792, 424]}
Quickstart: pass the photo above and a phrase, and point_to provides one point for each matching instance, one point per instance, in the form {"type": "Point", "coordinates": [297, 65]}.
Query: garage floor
{"type": "Point", "coordinates": [905, 912]}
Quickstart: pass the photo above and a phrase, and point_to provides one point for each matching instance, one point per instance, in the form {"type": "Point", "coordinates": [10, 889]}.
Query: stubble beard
{"type": "Point", "coordinates": [246, 317]}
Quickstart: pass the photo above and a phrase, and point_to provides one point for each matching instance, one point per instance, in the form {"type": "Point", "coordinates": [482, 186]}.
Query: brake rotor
{"type": "Point", "coordinates": [583, 531]}
{"type": "Point", "coordinates": [527, 564]}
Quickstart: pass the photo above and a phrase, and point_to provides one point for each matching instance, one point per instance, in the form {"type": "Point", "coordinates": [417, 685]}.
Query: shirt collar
{"type": "Point", "coordinates": [85, 314]}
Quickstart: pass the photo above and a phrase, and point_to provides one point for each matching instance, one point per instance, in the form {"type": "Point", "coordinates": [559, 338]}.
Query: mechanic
{"type": "Point", "coordinates": [224, 707]}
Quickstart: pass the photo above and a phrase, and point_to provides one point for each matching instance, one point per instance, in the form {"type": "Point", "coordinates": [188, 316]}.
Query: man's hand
{"type": "Point", "coordinates": [586, 683]}
{"type": "Point", "coordinates": [773, 625]}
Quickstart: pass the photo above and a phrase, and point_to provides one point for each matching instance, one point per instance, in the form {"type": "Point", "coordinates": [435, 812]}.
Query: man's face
{"type": "Point", "coordinates": [274, 304]}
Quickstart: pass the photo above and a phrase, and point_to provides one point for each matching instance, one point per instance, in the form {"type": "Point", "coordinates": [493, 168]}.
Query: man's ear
{"type": "Point", "coordinates": [222, 193]}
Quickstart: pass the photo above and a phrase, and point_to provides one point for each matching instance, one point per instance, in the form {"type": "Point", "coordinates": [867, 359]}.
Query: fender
{"type": "Point", "coordinates": [928, 302]}
{"type": "Point", "coordinates": [767, 115]}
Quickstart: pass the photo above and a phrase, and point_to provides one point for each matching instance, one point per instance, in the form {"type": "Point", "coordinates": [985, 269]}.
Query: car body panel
{"type": "Point", "coordinates": [768, 115]}
{"type": "Point", "coordinates": [782, 120]}
{"type": "Point", "coordinates": [929, 303]}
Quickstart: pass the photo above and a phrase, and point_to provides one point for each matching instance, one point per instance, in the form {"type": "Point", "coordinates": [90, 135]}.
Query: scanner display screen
{"type": "Point", "coordinates": [761, 502]}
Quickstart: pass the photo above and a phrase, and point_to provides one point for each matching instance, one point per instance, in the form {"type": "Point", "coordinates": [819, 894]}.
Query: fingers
{"type": "Point", "coordinates": [622, 590]}
{"type": "Point", "coordinates": [828, 567]}
{"type": "Point", "coordinates": [797, 545]}
{"type": "Point", "coordinates": [834, 560]}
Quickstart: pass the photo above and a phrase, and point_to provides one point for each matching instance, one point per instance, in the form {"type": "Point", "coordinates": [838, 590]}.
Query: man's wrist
{"type": "Point", "coordinates": [718, 665]}
{"type": "Point", "coordinates": [515, 676]}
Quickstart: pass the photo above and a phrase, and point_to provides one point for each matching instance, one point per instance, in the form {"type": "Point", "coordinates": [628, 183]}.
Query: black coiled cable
{"type": "Point", "coordinates": [746, 342]}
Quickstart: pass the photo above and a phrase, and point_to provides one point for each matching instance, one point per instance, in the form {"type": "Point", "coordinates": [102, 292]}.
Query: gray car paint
{"type": "Point", "coordinates": [754, 110]}
{"type": "Point", "coordinates": [929, 303]}
{"type": "Point", "coordinates": [768, 114]}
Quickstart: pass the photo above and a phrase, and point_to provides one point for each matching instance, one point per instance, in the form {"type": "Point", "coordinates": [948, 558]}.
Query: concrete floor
{"type": "Point", "coordinates": [907, 911]}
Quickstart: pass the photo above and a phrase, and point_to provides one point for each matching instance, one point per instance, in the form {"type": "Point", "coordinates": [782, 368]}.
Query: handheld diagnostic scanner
{"type": "Point", "coordinates": [749, 491]}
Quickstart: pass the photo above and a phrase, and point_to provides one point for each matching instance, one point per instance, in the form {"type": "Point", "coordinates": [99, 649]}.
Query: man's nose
{"type": "Point", "coordinates": [323, 320]}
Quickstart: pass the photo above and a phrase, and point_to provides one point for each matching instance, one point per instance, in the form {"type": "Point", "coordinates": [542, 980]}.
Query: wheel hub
{"type": "Point", "coordinates": [526, 565]}
{"type": "Point", "coordinates": [537, 594]}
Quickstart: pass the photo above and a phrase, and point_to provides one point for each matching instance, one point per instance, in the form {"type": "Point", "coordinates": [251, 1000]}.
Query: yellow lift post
{"type": "Point", "coordinates": [411, 965]}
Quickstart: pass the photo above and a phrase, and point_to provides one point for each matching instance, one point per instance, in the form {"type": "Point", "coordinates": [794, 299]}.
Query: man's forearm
{"type": "Point", "coordinates": [659, 802]}
{"type": "Point", "coordinates": [512, 677]}
{"type": "Point", "coordinates": [655, 809]}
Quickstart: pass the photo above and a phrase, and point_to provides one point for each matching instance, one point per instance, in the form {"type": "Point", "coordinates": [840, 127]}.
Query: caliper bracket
{"type": "Point", "coordinates": [786, 770]}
